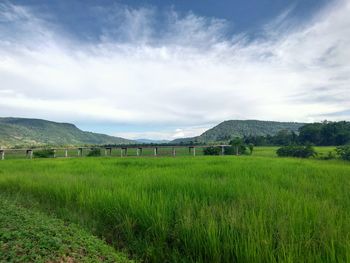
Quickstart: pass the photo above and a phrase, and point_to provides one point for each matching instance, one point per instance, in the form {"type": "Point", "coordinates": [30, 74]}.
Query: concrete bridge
{"type": "Point", "coordinates": [108, 150]}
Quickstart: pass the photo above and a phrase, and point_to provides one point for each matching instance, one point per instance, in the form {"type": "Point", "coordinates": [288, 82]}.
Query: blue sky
{"type": "Point", "coordinates": [167, 69]}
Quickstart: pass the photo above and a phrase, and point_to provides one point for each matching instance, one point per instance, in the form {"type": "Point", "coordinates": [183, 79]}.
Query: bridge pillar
{"type": "Point", "coordinates": [124, 151]}
{"type": "Point", "coordinates": [108, 151]}
{"type": "Point", "coordinates": [29, 153]}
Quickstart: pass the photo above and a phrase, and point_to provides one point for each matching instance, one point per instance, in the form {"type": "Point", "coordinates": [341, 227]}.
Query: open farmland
{"type": "Point", "coordinates": [196, 209]}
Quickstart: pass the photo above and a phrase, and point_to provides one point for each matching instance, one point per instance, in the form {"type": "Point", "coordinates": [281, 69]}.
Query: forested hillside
{"type": "Point", "coordinates": [227, 130]}
{"type": "Point", "coordinates": [35, 132]}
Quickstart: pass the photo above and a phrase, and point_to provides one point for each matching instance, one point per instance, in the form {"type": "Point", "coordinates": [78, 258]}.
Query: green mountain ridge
{"type": "Point", "coordinates": [227, 130]}
{"type": "Point", "coordinates": [35, 132]}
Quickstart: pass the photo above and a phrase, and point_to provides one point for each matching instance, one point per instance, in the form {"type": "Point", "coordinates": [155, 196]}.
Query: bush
{"type": "Point", "coordinates": [45, 153]}
{"type": "Point", "coordinates": [344, 152]}
{"type": "Point", "coordinates": [296, 151]}
{"type": "Point", "coordinates": [212, 151]}
{"type": "Point", "coordinates": [330, 155]}
{"type": "Point", "coordinates": [242, 149]}
{"type": "Point", "coordinates": [94, 152]}
{"type": "Point", "coordinates": [251, 148]}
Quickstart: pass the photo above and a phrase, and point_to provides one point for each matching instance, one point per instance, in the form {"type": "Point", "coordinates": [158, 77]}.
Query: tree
{"type": "Point", "coordinates": [236, 143]}
{"type": "Point", "coordinates": [251, 148]}
{"type": "Point", "coordinates": [310, 133]}
{"type": "Point", "coordinates": [344, 152]}
{"type": "Point", "coordinates": [296, 151]}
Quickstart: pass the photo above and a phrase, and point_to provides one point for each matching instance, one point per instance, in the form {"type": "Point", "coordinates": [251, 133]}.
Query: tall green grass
{"type": "Point", "coordinates": [202, 209]}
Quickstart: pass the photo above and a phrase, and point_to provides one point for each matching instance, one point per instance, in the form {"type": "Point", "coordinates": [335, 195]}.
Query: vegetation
{"type": "Point", "coordinates": [203, 209]}
{"type": "Point", "coordinates": [212, 151]}
{"type": "Point", "coordinates": [44, 153]}
{"type": "Point", "coordinates": [32, 132]}
{"type": "Point", "coordinates": [323, 134]}
{"type": "Point", "coordinates": [228, 130]}
{"type": "Point", "coordinates": [94, 152]}
{"type": "Point", "coordinates": [27, 235]}
{"type": "Point", "coordinates": [296, 151]}
{"type": "Point", "coordinates": [344, 152]}
{"type": "Point", "coordinates": [326, 133]}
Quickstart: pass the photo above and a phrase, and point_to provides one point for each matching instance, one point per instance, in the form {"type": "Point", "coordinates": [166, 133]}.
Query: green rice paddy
{"type": "Point", "coordinates": [196, 209]}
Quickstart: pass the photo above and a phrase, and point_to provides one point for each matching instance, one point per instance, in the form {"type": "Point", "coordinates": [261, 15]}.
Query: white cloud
{"type": "Point", "coordinates": [190, 74]}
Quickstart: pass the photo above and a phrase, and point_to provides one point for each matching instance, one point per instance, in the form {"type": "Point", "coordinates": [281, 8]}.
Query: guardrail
{"type": "Point", "coordinates": [108, 150]}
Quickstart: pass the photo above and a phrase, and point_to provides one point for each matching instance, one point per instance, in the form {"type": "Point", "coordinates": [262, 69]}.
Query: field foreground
{"type": "Point", "coordinates": [203, 209]}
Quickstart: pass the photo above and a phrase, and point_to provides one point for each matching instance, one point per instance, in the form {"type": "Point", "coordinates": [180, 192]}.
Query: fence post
{"type": "Point", "coordinates": [174, 151]}
{"type": "Point", "coordinates": [54, 153]}
{"type": "Point", "coordinates": [194, 151]}
{"type": "Point", "coordinates": [222, 150]}
{"type": "Point", "coordinates": [155, 151]}
{"type": "Point", "coordinates": [2, 152]}
{"type": "Point", "coordinates": [66, 153]}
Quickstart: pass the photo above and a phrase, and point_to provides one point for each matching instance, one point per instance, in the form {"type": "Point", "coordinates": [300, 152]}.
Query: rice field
{"type": "Point", "coordinates": [196, 209]}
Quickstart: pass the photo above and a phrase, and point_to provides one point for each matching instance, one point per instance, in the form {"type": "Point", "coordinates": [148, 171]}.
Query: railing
{"type": "Point", "coordinates": [28, 152]}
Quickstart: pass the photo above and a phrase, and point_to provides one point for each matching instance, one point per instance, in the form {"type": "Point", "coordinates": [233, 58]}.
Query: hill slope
{"type": "Point", "coordinates": [239, 128]}
{"type": "Point", "coordinates": [35, 132]}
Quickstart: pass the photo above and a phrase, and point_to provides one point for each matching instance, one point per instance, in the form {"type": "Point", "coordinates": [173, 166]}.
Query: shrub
{"type": "Point", "coordinates": [45, 153]}
{"type": "Point", "coordinates": [344, 152]}
{"type": "Point", "coordinates": [330, 155]}
{"type": "Point", "coordinates": [296, 151]}
{"type": "Point", "coordinates": [212, 151]}
{"type": "Point", "coordinates": [94, 152]}
{"type": "Point", "coordinates": [251, 148]}
{"type": "Point", "coordinates": [242, 149]}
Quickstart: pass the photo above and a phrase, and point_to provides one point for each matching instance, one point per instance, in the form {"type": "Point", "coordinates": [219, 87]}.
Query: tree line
{"type": "Point", "coordinates": [321, 134]}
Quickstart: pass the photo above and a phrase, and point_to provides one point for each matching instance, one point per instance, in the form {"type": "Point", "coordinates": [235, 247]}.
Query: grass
{"type": "Point", "coordinates": [28, 235]}
{"type": "Point", "coordinates": [202, 209]}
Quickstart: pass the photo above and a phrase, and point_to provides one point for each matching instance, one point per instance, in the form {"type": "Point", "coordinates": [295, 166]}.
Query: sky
{"type": "Point", "coordinates": [164, 69]}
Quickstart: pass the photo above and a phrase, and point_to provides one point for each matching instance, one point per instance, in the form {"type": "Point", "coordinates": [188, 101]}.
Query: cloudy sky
{"type": "Point", "coordinates": [164, 69]}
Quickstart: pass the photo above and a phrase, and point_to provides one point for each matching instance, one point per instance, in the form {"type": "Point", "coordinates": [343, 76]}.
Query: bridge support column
{"type": "Point", "coordinates": [80, 152]}
{"type": "Point", "coordinates": [29, 154]}
{"type": "Point", "coordinates": [124, 151]}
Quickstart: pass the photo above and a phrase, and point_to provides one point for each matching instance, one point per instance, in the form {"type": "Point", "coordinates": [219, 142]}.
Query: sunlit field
{"type": "Point", "coordinates": [196, 209]}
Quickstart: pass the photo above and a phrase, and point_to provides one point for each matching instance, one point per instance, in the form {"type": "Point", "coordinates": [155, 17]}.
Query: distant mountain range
{"type": "Point", "coordinates": [227, 130]}
{"type": "Point", "coordinates": [35, 132]}
{"type": "Point", "coordinates": [149, 141]}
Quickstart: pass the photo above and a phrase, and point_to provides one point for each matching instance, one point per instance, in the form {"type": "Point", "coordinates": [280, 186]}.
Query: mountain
{"type": "Point", "coordinates": [239, 128]}
{"type": "Point", "coordinates": [149, 141]}
{"type": "Point", "coordinates": [35, 132]}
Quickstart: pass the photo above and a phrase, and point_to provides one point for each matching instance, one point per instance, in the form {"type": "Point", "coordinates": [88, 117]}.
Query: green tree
{"type": "Point", "coordinates": [251, 148]}
{"type": "Point", "coordinates": [236, 143]}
